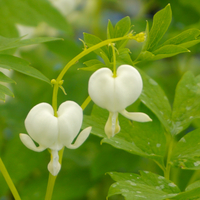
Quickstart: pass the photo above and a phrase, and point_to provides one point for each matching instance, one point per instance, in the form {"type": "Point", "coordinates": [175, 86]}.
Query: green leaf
{"type": "Point", "coordinates": [192, 186]}
{"type": "Point", "coordinates": [168, 51]}
{"type": "Point", "coordinates": [92, 62]}
{"type": "Point", "coordinates": [91, 40]}
{"type": "Point", "coordinates": [106, 60]}
{"type": "Point", "coordinates": [144, 139]}
{"type": "Point", "coordinates": [92, 65]}
{"type": "Point", "coordinates": [155, 99]}
{"type": "Point", "coordinates": [29, 13]}
{"type": "Point", "coordinates": [110, 30]}
{"type": "Point", "coordinates": [22, 66]}
{"type": "Point", "coordinates": [186, 106]}
{"type": "Point", "coordinates": [5, 91]}
{"type": "Point", "coordinates": [163, 52]}
{"type": "Point", "coordinates": [123, 56]}
{"type": "Point", "coordinates": [185, 39]}
{"type": "Point", "coordinates": [189, 195]}
{"type": "Point", "coordinates": [161, 22]}
{"type": "Point", "coordinates": [6, 79]}
{"type": "Point", "coordinates": [147, 186]}
{"type": "Point", "coordinates": [121, 29]}
{"type": "Point", "coordinates": [144, 56]}
{"type": "Point", "coordinates": [10, 43]}
{"type": "Point", "coordinates": [187, 151]}
{"type": "Point", "coordinates": [146, 42]}
{"type": "Point", "coordinates": [92, 68]}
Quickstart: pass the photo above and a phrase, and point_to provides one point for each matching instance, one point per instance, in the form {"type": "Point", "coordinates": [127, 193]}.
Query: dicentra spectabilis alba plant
{"type": "Point", "coordinates": [54, 132]}
{"type": "Point", "coordinates": [165, 140]}
{"type": "Point", "coordinates": [115, 93]}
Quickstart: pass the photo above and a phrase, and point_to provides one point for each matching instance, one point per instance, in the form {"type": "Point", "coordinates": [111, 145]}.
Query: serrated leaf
{"type": "Point", "coordinates": [161, 22]}
{"type": "Point", "coordinates": [168, 51]}
{"type": "Point", "coordinates": [155, 99]}
{"type": "Point", "coordinates": [185, 39]}
{"type": "Point", "coordinates": [22, 66]}
{"type": "Point", "coordinates": [147, 186]}
{"type": "Point", "coordinates": [6, 79]}
{"type": "Point", "coordinates": [187, 151]}
{"type": "Point", "coordinates": [91, 40]}
{"type": "Point", "coordinates": [5, 91]}
{"type": "Point", "coordinates": [186, 106]}
{"type": "Point", "coordinates": [10, 43]}
{"type": "Point", "coordinates": [29, 13]}
{"type": "Point", "coordinates": [144, 139]}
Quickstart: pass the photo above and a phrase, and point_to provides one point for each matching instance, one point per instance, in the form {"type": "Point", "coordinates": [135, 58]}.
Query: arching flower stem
{"type": "Point", "coordinates": [140, 37]}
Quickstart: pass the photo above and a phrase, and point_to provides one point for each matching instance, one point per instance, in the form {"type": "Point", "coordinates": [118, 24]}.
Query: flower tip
{"type": "Point", "coordinates": [28, 142]}
{"type": "Point", "coordinates": [81, 138]}
{"type": "Point", "coordinates": [54, 165]}
{"type": "Point", "coordinates": [54, 169]}
{"type": "Point", "coordinates": [112, 125]}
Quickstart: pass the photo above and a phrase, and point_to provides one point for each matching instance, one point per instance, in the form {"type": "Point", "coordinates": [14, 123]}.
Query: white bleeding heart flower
{"type": "Point", "coordinates": [54, 132]}
{"type": "Point", "coordinates": [115, 93]}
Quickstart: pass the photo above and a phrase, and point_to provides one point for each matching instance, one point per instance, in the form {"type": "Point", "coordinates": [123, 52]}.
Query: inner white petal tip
{"type": "Point", "coordinates": [81, 138]}
{"type": "Point", "coordinates": [54, 165]}
{"type": "Point", "coordinates": [54, 169]}
{"type": "Point", "coordinates": [28, 142]}
{"type": "Point", "coordinates": [136, 116]}
{"type": "Point", "coordinates": [112, 125]}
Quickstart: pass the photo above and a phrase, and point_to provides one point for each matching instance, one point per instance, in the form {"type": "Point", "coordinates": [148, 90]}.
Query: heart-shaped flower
{"type": "Point", "coordinates": [115, 93]}
{"type": "Point", "coordinates": [54, 132]}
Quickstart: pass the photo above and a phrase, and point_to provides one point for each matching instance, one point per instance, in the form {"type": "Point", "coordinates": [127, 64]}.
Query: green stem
{"type": "Point", "coordinates": [114, 60]}
{"type": "Point", "coordinates": [86, 102]}
{"type": "Point", "coordinates": [54, 99]}
{"type": "Point", "coordinates": [9, 181]}
{"type": "Point", "coordinates": [52, 179]}
{"type": "Point", "coordinates": [89, 50]}
{"type": "Point", "coordinates": [168, 165]}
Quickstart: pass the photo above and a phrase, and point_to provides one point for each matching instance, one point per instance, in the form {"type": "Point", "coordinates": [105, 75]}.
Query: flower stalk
{"type": "Point", "coordinates": [9, 181]}
{"type": "Point", "coordinates": [57, 83]}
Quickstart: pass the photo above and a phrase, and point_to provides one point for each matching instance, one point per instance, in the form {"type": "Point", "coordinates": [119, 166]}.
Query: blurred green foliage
{"type": "Point", "coordinates": [82, 176]}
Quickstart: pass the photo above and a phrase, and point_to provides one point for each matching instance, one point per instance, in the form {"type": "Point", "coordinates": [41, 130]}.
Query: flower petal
{"type": "Point", "coordinates": [112, 125]}
{"type": "Point", "coordinates": [115, 93]}
{"type": "Point", "coordinates": [42, 125]}
{"type": "Point", "coordinates": [101, 88]}
{"type": "Point", "coordinates": [128, 86]}
{"type": "Point", "coordinates": [81, 138]}
{"type": "Point", "coordinates": [136, 116]}
{"type": "Point", "coordinates": [70, 116]}
{"type": "Point", "coordinates": [54, 165]}
{"type": "Point", "coordinates": [28, 142]}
